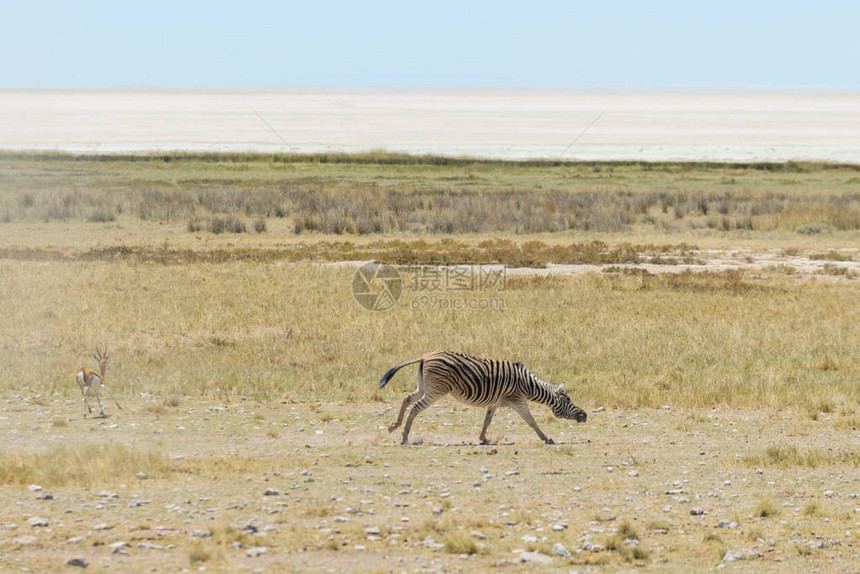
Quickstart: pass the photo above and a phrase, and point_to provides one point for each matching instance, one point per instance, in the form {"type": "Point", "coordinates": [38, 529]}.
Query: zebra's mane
{"type": "Point", "coordinates": [539, 381]}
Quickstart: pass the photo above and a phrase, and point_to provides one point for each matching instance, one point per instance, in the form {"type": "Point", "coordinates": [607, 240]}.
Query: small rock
{"type": "Point", "coordinates": [25, 540]}
{"type": "Point", "coordinates": [829, 493]}
{"type": "Point", "coordinates": [78, 561]}
{"type": "Point", "coordinates": [108, 494]}
{"type": "Point", "coordinates": [558, 527]}
{"type": "Point", "coordinates": [727, 524]}
{"type": "Point", "coordinates": [342, 519]}
{"type": "Point", "coordinates": [271, 492]}
{"type": "Point", "coordinates": [559, 550]}
{"type": "Point", "coordinates": [46, 496]}
{"type": "Point", "coordinates": [373, 531]}
{"type": "Point", "coordinates": [118, 547]}
{"type": "Point", "coordinates": [529, 539]}
{"type": "Point", "coordinates": [610, 468]}
{"type": "Point", "coordinates": [666, 407]}
{"type": "Point", "coordinates": [590, 547]}
{"type": "Point", "coordinates": [35, 487]}
{"type": "Point", "coordinates": [102, 526]}
{"type": "Point", "coordinates": [37, 521]}
{"type": "Point", "coordinates": [697, 511]}
{"type": "Point", "coordinates": [150, 546]}
{"type": "Point", "coordinates": [76, 539]}
{"type": "Point", "coordinates": [256, 551]}
{"type": "Point", "coordinates": [598, 410]}
{"type": "Point", "coordinates": [759, 471]}
{"type": "Point", "coordinates": [733, 556]}
{"type": "Point", "coordinates": [535, 558]}
{"type": "Point", "coordinates": [633, 473]}
{"type": "Point", "coordinates": [818, 544]}
{"type": "Point", "coordinates": [141, 476]}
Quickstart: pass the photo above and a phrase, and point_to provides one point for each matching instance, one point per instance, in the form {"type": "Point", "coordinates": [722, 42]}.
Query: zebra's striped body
{"type": "Point", "coordinates": [481, 383]}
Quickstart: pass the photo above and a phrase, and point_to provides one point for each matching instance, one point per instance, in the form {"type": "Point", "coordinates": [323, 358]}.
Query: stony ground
{"type": "Point", "coordinates": [324, 487]}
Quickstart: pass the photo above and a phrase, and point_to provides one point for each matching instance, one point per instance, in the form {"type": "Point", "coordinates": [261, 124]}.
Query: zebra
{"type": "Point", "coordinates": [481, 383]}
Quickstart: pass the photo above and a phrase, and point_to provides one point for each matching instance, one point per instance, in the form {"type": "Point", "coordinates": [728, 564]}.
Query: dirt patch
{"type": "Point", "coordinates": [311, 487]}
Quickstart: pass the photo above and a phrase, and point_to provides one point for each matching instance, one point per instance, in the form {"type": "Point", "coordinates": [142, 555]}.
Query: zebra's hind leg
{"type": "Point", "coordinates": [422, 404]}
{"type": "Point", "coordinates": [487, 420]}
{"type": "Point", "coordinates": [410, 399]}
{"type": "Point", "coordinates": [522, 407]}
{"type": "Point", "coordinates": [406, 402]}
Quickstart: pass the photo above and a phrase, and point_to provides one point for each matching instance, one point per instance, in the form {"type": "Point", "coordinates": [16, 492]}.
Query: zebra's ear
{"type": "Point", "coordinates": [560, 389]}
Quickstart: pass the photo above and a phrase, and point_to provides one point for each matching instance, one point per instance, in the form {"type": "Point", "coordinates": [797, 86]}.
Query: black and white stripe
{"type": "Point", "coordinates": [481, 383]}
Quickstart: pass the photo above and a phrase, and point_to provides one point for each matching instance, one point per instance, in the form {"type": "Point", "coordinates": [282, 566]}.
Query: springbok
{"type": "Point", "coordinates": [88, 379]}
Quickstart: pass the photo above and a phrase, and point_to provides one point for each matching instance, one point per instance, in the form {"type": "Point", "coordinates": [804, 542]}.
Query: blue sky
{"type": "Point", "coordinates": [567, 44]}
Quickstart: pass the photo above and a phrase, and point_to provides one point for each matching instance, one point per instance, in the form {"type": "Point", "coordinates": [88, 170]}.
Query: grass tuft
{"type": "Point", "coordinates": [459, 542]}
{"type": "Point", "coordinates": [765, 509]}
{"type": "Point", "coordinates": [86, 465]}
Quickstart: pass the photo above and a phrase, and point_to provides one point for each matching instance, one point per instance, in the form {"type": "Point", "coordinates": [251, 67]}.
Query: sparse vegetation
{"type": "Point", "coordinates": [389, 193]}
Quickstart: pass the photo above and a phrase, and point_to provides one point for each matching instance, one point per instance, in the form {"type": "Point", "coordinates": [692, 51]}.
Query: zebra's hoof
{"type": "Point", "coordinates": [392, 427]}
{"type": "Point", "coordinates": [550, 441]}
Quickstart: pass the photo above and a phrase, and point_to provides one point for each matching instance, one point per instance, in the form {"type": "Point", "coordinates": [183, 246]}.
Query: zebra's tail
{"type": "Point", "coordinates": [387, 376]}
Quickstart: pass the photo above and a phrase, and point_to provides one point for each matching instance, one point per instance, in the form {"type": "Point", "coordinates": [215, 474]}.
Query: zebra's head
{"type": "Point", "coordinates": [564, 408]}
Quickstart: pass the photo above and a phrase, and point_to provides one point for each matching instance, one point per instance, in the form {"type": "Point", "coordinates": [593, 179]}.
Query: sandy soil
{"type": "Point", "coordinates": [343, 495]}
{"type": "Point", "coordinates": [716, 126]}
{"type": "Point", "coordinates": [749, 260]}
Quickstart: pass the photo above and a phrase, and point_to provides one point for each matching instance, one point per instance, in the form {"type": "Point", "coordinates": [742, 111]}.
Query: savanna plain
{"type": "Point", "coordinates": [706, 316]}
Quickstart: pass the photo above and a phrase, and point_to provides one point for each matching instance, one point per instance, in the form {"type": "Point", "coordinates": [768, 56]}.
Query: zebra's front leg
{"type": "Point", "coordinates": [522, 407]}
{"type": "Point", "coordinates": [487, 419]}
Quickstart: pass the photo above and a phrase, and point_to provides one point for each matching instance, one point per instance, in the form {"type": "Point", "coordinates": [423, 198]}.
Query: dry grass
{"type": "Point", "coordinates": [687, 340]}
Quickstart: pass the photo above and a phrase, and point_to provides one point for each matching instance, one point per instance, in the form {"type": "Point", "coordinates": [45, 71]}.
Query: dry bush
{"type": "Point", "coordinates": [379, 193]}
